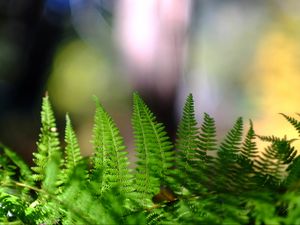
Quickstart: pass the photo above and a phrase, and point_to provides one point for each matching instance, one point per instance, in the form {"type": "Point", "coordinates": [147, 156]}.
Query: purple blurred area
{"type": "Point", "coordinates": [221, 51]}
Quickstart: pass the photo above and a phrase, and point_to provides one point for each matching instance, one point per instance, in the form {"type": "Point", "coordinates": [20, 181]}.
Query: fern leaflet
{"type": "Point", "coordinates": [228, 155]}
{"type": "Point", "coordinates": [110, 159]}
{"type": "Point", "coordinates": [72, 151]}
{"type": "Point", "coordinates": [154, 155]}
{"type": "Point", "coordinates": [187, 142]}
{"type": "Point", "coordinates": [293, 121]}
{"type": "Point", "coordinates": [48, 144]}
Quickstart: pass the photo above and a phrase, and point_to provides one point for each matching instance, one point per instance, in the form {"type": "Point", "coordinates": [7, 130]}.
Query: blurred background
{"type": "Point", "coordinates": [237, 57]}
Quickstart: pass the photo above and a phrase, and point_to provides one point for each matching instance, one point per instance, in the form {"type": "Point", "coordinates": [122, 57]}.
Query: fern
{"type": "Point", "coordinates": [293, 121]}
{"type": "Point", "coordinates": [294, 173]}
{"type": "Point", "coordinates": [249, 148]}
{"type": "Point", "coordinates": [12, 208]}
{"type": "Point", "coordinates": [276, 158]}
{"type": "Point", "coordinates": [48, 144]}
{"type": "Point", "coordinates": [207, 148]}
{"type": "Point", "coordinates": [72, 152]}
{"type": "Point", "coordinates": [270, 139]}
{"type": "Point", "coordinates": [14, 170]}
{"type": "Point", "coordinates": [24, 170]}
{"type": "Point", "coordinates": [228, 155]}
{"type": "Point", "coordinates": [110, 160]}
{"type": "Point", "coordinates": [229, 148]}
{"type": "Point", "coordinates": [154, 155]}
{"type": "Point", "coordinates": [207, 137]}
{"type": "Point", "coordinates": [187, 145]}
{"type": "Point", "coordinates": [198, 182]}
{"type": "Point", "coordinates": [246, 160]}
{"type": "Point", "coordinates": [194, 148]}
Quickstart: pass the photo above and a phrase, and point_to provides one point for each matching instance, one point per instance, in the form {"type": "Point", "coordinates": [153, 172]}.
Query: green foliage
{"type": "Point", "coordinates": [72, 151]}
{"type": "Point", "coordinates": [48, 144]}
{"type": "Point", "coordinates": [194, 181]}
{"type": "Point", "coordinates": [154, 155]}
{"type": "Point", "coordinates": [110, 163]}
{"type": "Point", "coordinates": [187, 142]}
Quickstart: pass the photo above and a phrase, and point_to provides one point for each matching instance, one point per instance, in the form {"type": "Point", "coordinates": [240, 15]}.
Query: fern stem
{"type": "Point", "coordinates": [28, 186]}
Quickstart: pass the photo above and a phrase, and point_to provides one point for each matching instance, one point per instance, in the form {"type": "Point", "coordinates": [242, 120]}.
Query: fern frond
{"type": "Point", "coordinates": [271, 138]}
{"type": "Point", "coordinates": [208, 136]}
{"type": "Point", "coordinates": [246, 159]}
{"type": "Point", "coordinates": [207, 149]}
{"type": "Point", "coordinates": [229, 148]}
{"type": "Point", "coordinates": [25, 172]}
{"type": "Point", "coordinates": [194, 149]}
{"type": "Point", "coordinates": [293, 206]}
{"type": "Point", "coordinates": [12, 208]}
{"type": "Point", "coordinates": [249, 149]}
{"type": "Point", "coordinates": [79, 203]}
{"type": "Point", "coordinates": [48, 144]}
{"type": "Point", "coordinates": [14, 169]}
{"type": "Point", "coordinates": [110, 162]}
{"type": "Point", "coordinates": [82, 206]}
{"type": "Point", "coordinates": [294, 173]}
{"type": "Point", "coordinates": [187, 133]}
{"type": "Point", "coordinates": [193, 211]}
{"type": "Point", "coordinates": [187, 144]}
{"type": "Point", "coordinates": [293, 121]}
{"type": "Point", "coordinates": [228, 155]}
{"type": "Point", "coordinates": [52, 172]}
{"type": "Point", "coordinates": [276, 158]}
{"type": "Point", "coordinates": [46, 212]}
{"type": "Point", "coordinates": [262, 207]}
{"type": "Point", "coordinates": [72, 151]}
{"type": "Point", "coordinates": [244, 169]}
{"type": "Point", "coordinates": [155, 217]}
{"type": "Point", "coordinates": [154, 155]}
{"type": "Point", "coordinates": [45, 206]}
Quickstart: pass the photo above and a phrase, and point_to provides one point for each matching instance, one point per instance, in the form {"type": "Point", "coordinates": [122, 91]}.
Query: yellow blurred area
{"type": "Point", "coordinates": [275, 83]}
{"type": "Point", "coordinates": [78, 74]}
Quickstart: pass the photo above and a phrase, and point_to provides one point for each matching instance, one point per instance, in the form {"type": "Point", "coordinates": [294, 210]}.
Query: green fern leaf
{"type": "Point", "coordinates": [207, 138]}
{"type": "Point", "coordinates": [246, 160]}
{"type": "Point", "coordinates": [249, 148]}
{"type": "Point", "coordinates": [293, 121]}
{"type": "Point", "coordinates": [13, 169]}
{"type": "Point", "coordinates": [48, 144]}
{"type": "Point", "coordinates": [25, 171]}
{"type": "Point", "coordinates": [79, 200]}
{"type": "Point", "coordinates": [51, 175]}
{"type": "Point", "coordinates": [154, 155]}
{"type": "Point", "coordinates": [228, 156]}
{"type": "Point", "coordinates": [12, 209]}
{"type": "Point", "coordinates": [110, 162]}
{"type": "Point", "coordinates": [271, 138]}
{"type": "Point", "coordinates": [187, 128]}
{"type": "Point", "coordinates": [294, 173]}
{"type": "Point", "coordinates": [187, 142]}
{"type": "Point", "coordinates": [72, 151]}
{"type": "Point", "coordinates": [83, 206]}
{"type": "Point", "coordinates": [230, 147]}
{"type": "Point", "coordinates": [276, 158]}
{"type": "Point", "coordinates": [207, 149]}
{"type": "Point", "coordinates": [192, 150]}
